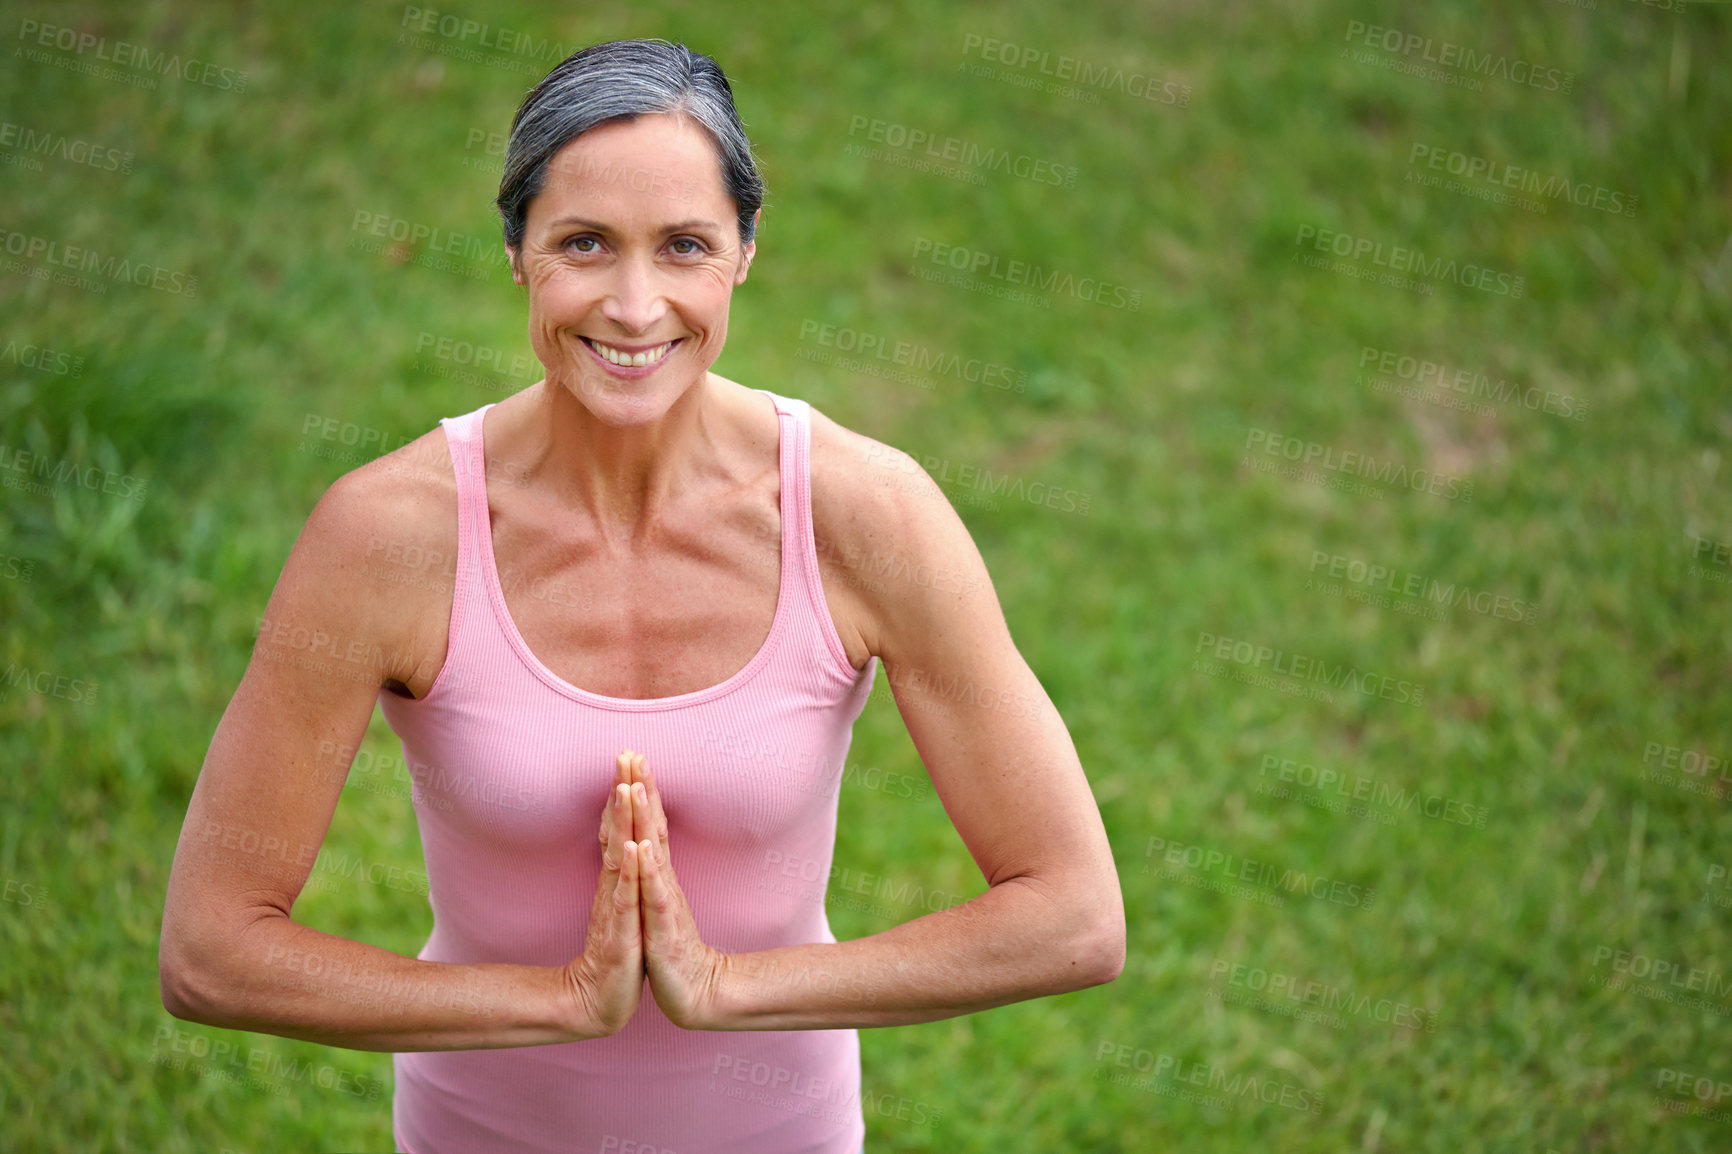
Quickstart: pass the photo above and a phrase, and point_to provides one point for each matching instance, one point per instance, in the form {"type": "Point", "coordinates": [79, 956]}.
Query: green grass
{"type": "Point", "coordinates": [1544, 725]}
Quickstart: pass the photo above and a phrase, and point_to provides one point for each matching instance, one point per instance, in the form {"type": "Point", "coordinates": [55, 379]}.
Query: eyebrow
{"type": "Point", "coordinates": [681, 226]}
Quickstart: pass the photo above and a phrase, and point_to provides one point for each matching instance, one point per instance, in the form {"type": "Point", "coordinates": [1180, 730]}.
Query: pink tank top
{"type": "Point", "coordinates": [512, 766]}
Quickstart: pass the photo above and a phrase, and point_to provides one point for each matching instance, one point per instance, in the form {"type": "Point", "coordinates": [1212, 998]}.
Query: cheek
{"type": "Point", "coordinates": [556, 289]}
{"type": "Point", "coordinates": [709, 298]}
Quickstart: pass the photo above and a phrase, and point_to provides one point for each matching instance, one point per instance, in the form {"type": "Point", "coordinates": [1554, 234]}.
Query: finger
{"type": "Point", "coordinates": [658, 891]}
{"type": "Point", "coordinates": [623, 933]}
{"type": "Point", "coordinates": [641, 827]}
{"type": "Point", "coordinates": [607, 879]}
{"type": "Point", "coordinates": [621, 776]}
{"type": "Point", "coordinates": [658, 820]}
{"type": "Point", "coordinates": [625, 897]}
{"type": "Point", "coordinates": [616, 835]}
{"type": "Point", "coordinates": [624, 814]}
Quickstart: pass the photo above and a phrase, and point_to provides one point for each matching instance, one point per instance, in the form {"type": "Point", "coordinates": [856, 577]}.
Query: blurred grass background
{"type": "Point", "coordinates": [1506, 936]}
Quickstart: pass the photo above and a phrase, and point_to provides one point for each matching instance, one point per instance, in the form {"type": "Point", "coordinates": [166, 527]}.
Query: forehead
{"type": "Point", "coordinates": [659, 166]}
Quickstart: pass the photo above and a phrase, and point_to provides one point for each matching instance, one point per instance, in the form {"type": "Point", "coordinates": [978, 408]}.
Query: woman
{"type": "Point", "coordinates": [651, 618]}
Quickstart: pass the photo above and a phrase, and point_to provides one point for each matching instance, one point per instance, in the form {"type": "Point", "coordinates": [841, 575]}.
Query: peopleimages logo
{"type": "Point", "coordinates": [1709, 1093]}
{"type": "Point", "coordinates": [53, 473]}
{"type": "Point", "coordinates": [47, 360]}
{"type": "Point", "coordinates": [81, 259]}
{"type": "Point", "coordinates": [1303, 668]}
{"type": "Point", "coordinates": [974, 262]}
{"type": "Point", "coordinates": [1627, 964]}
{"type": "Point", "coordinates": [1136, 84]}
{"type": "Point", "coordinates": [1471, 384]}
{"type": "Point", "coordinates": [1234, 868]}
{"type": "Point", "coordinates": [1392, 579]}
{"type": "Point", "coordinates": [1498, 176]}
{"type": "Point", "coordinates": [1398, 259]}
{"type": "Point", "coordinates": [1459, 57]}
{"type": "Point", "coordinates": [913, 355]}
{"type": "Point", "coordinates": [981, 480]}
{"type": "Point", "coordinates": [70, 149]}
{"type": "Point", "coordinates": [1697, 770]}
{"type": "Point", "coordinates": [1331, 999]}
{"type": "Point", "coordinates": [139, 57]}
{"type": "Point", "coordinates": [464, 31]}
{"type": "Point", "coordinates": [429, 237]}
{"type": "Point", "coordinates": [1355, 464]}
{"type": "Point", "coordinates": [1326, 781]}
{"type": "Point", "coordinates": [956, 150]}
{"type": "Point", "coordinates": [1225, 1088]}
{"type": "Point", "coordinates": [47, 683]}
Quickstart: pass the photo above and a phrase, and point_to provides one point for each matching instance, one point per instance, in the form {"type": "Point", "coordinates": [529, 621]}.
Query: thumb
{"type": "Point", "coordinates": [655, 895]}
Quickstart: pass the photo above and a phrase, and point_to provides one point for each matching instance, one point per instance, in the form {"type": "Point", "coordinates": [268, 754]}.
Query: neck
{"type": "Point", "coordinates": [623, 475]}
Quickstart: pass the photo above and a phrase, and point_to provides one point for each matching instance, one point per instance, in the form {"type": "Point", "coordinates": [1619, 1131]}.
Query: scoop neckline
{"type": "Point", "coordinates": [502, 612]}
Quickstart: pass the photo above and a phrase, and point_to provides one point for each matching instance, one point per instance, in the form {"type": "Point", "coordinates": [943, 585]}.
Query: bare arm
{"type": "Point", "coordinates": [1008, 774]}
{"type": "Point", "coordinates": [231, 955]}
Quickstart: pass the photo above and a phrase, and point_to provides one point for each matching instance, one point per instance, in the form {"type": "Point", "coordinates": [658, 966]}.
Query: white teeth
{"type": "Point", "coordinates": [631, 360]}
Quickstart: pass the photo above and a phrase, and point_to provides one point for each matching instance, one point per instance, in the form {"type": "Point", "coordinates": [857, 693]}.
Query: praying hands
{"type": "Point", "coordinates": [640, 923]}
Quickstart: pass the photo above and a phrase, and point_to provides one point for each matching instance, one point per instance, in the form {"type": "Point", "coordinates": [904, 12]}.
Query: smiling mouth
{"type": "Point", "coordinates": [626, 358]}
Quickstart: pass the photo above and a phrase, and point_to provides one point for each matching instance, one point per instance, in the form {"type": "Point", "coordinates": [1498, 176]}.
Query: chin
{"type": "Point", "coordinates": [625, 404]}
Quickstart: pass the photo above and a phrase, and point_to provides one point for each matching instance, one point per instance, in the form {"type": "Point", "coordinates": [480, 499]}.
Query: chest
{"type": "Point", "coordinates": [680, 610]}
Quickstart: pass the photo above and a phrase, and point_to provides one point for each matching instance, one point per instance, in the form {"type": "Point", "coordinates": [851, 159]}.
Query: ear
{"type": "Point", "coordinates": [512, 254]}
{"type": "Point", "coordinates": [751, 250]}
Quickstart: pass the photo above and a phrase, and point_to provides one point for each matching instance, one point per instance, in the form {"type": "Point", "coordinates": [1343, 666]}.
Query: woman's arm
{"type": "Point", "coordinates": [338, 629]}
{"type": "Point", "coordinates": [1004, 767]}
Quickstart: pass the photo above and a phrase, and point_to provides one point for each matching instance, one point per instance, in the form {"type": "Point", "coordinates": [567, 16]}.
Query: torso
{"type": "Point", "coordinates": [679, 609]}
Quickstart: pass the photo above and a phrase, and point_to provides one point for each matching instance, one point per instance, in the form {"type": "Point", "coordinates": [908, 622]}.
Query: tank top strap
{"type": "Point", "coordinates": [794, 452]}
{"type": "Point", "coordinates": [799, 540]}
{"type": "Point", "coordinates": [469, 580]}
{"type": "Point", "coordinates": [463, 434]}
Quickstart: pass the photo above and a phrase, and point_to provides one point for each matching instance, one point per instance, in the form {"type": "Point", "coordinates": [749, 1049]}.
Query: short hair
{"type": "Point", "coordinates": [622, 80]}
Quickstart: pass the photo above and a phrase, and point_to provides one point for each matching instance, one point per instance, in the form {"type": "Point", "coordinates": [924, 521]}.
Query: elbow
{"type": "Point", "coordinates": [177, 1003]}
{"type": "Point", "coordinates": [1087, 932]}
{"type": "Point", "coordinates": [1099, 956]}
{"type": "Point", "coordinates": [1097, 951]}
{"type": "Point", "coordinates": [202, 966]}
{"type": "Point", "coordinates": [189, 988]}
{"type": "Point", "coordinates": [1110, 932]}
{"type": "Point", "coordinates": [183, 995]}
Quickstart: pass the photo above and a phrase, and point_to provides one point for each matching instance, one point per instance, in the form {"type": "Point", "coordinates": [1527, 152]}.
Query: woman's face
{"type": "Point", "coordinates": [630, 253]}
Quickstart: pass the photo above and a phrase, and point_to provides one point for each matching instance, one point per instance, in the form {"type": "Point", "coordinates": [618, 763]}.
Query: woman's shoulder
{"type": "Point", "coordinates": [409, 487]}
{"type": "Point", "coordinates": [895, 555]}
{"type": "Point", "coordinates": [374, 565]}
{"type": "Point", "coordinates": [863, 483]}
{"type": "Point", "coordinates": [391, 523]}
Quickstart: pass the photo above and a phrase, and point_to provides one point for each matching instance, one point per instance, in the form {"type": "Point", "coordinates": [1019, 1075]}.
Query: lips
{"type": "Point", "coordinates": [640, 358]}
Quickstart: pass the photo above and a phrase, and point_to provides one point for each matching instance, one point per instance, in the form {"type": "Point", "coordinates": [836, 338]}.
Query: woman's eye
{"type": "Point", "coordinates": [582, 243]}
{"type": "Point", "coordinates": [691, 247]}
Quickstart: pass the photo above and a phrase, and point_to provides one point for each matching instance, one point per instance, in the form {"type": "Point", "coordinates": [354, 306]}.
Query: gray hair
{"type": "Point", "coordinates": [622, 80]}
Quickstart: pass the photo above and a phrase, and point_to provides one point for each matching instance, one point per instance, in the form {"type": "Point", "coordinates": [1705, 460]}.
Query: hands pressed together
{"type": "Point", "coordinates": [640, 923]}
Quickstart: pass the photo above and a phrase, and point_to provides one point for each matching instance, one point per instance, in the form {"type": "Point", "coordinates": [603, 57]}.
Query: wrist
{"type": "Point", "coordinates": [737, 977]}
{"type": "Point", "coordinates": [724, 987]}
{"type": "Point", "coordinates": [707, 1004]}
{"type": "Point", "coordinates": [566, 1007]}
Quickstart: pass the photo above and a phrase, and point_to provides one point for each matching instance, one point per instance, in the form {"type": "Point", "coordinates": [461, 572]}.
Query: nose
{"type": "Point", "coordinates": [634, 301]}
